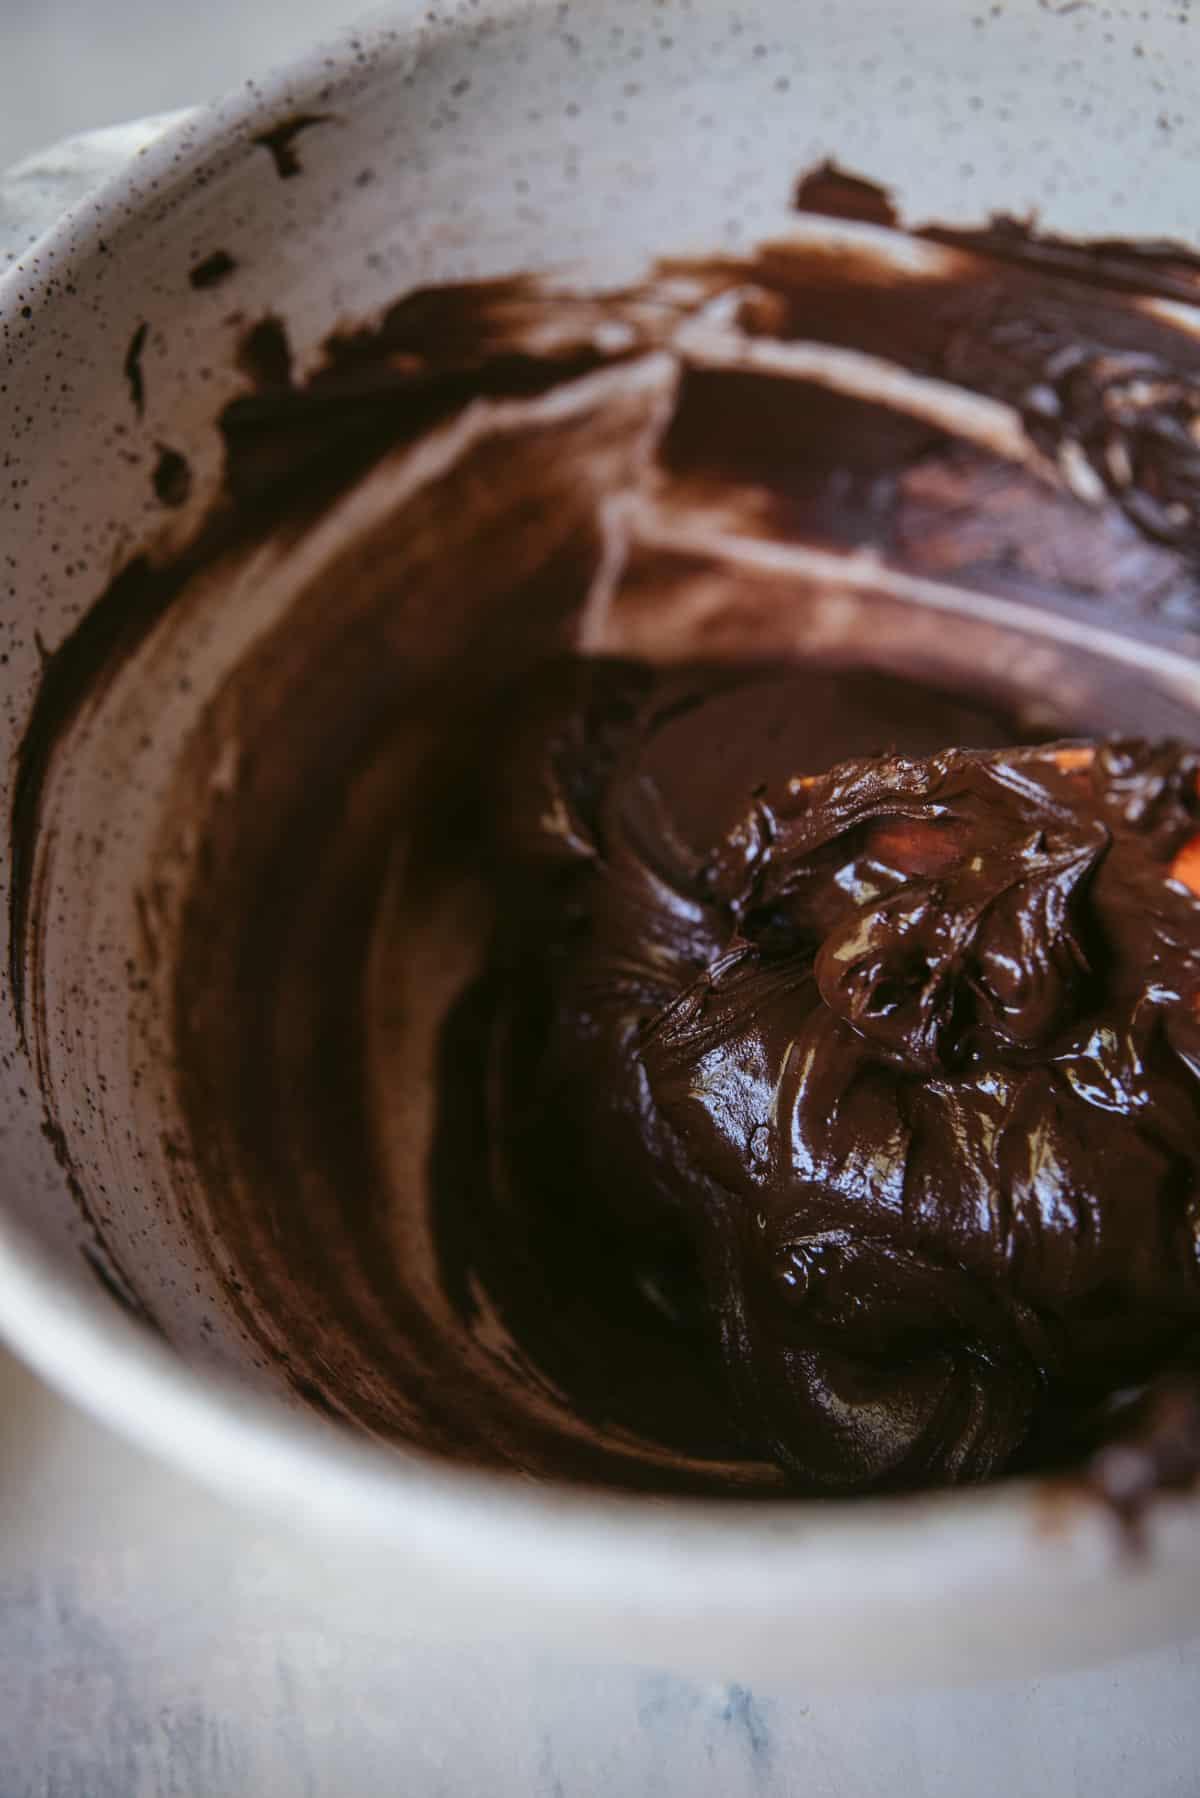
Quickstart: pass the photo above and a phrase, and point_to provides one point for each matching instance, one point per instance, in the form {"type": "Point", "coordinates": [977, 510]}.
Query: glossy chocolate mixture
{"type": "Point", "coordinates": [883, 1079]}
{"type": "Point", "coordinates": [854, 445]}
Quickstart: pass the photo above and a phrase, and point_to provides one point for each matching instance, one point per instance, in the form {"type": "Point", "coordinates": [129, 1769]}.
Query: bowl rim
{"type": "Point", "coordinates": [679, 1555]}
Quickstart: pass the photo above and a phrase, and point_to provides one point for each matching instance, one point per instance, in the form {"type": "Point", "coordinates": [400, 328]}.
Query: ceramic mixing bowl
{"type": "Point", "coordinates": [336, 408]}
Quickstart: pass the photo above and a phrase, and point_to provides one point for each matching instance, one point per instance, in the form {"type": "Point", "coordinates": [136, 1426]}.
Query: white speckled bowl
{"type": "Point", "coordinates": [504, 135]}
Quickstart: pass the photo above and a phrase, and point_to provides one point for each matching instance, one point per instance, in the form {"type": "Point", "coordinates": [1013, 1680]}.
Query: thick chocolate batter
{"type": "Point", "coordinates": [882, 1080]}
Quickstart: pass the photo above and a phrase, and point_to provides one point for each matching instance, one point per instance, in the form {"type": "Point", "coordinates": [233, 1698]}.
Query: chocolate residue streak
{"type": "Point", "coordinates": [686, 471]}
{"type": "Point", "coordinates": [99, 1258]}
{"type": "Point", "coordinates": [77, 674]}
{"type": "Point", "coordinates": [280, 141]}
{"type": "Point", "coordinates": [1170, 270]}
{"type": "Point", "coordinates": [132, 367]}
{"type": "Point", "coordinates": [172, 478]}
{"type": "Point", "coordinates": [835, 193]}
{"type": "Point", "coordinates": [118, 1291]}
{"type": "Point", "coordinates": [73, 675]}
{"type": "Point", "coordinates": [212, 270]}
{"type": "Point", "coordinates": [147, 929]}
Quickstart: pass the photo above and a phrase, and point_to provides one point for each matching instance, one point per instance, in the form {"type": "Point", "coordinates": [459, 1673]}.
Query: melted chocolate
{"type": "Point", "coordinates": [887, 1076]}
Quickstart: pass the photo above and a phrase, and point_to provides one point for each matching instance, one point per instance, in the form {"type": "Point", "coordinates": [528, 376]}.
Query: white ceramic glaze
{"type": "Point", "coordinates": [501, 136]}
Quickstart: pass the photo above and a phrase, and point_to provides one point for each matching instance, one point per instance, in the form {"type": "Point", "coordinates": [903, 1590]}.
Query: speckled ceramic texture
{"type": "Point", "coordinates": [465, 141]}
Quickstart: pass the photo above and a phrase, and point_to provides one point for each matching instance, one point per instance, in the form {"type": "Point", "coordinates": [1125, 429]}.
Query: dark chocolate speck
{"type": "Point", "coordinates": [280, 139]}
{"type": "Point", "coordinates": [133, 368]}
{"type": "Point", "coordinates": [213, 270]}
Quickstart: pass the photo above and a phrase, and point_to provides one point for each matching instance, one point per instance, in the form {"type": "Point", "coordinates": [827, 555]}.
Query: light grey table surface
{"type": "Point", "coordinates": [153, 1641]}
{"type": "Point", "coordinates": [73, 65]}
